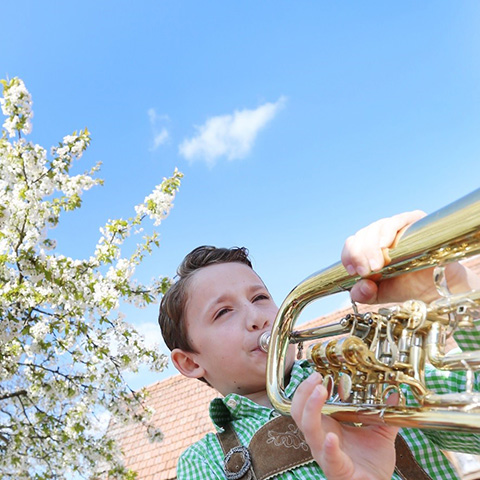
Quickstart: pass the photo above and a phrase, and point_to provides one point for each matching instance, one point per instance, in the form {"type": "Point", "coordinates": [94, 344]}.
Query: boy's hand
{"type": "Point", "coordinates": [365, 252]}
{"type": "Point", "coordinates": [343, 452]}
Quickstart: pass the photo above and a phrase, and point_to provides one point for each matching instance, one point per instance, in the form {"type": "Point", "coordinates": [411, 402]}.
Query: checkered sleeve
{"type": "Point", "coordinates": [443, 382]}
{"type": "Point", "coordinates": [469, 339]}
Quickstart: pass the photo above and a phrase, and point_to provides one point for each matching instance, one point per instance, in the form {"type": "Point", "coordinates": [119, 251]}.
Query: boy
{"type": "Point", "coordinates": [211, 320]}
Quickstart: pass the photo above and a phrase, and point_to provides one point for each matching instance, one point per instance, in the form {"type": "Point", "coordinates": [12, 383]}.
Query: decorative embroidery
{"type": "Point", "coordinates": [292, 438]}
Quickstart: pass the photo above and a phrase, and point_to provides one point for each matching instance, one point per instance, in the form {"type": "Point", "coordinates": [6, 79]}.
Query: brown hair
{"type": "Point", "coordinates": [172, 308]}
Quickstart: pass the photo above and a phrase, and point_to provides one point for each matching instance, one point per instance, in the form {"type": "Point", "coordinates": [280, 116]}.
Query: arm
{"type": "Point", "coordinates": [364, 252]}
{"type": "Point", "coordinates": [343, 451]}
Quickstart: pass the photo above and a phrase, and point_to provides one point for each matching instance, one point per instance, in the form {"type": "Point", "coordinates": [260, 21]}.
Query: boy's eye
{"type": "Point", "coordinates": [261, 296]}
{"type": "Point", "coordinates": [221, 312]}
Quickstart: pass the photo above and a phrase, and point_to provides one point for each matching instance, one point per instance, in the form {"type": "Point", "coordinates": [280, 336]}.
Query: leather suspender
{"type": "Point", "coordinates": [280, 446]}
{"type": "Point", "coordinates": [276, 447]}
{"type": "Point", "coordinates": [406, 464]}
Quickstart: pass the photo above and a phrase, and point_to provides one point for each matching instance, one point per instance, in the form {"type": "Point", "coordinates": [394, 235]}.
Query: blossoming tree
{"type": "Point", "coordinates": [64, 345]}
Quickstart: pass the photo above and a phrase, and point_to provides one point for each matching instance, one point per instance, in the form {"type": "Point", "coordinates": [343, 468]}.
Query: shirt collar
{"type": "Point", "coordinates": [234, 406]}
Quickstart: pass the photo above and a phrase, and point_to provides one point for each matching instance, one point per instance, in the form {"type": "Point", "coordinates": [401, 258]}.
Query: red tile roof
{"type": "Point", "coordinates": [181, 411]}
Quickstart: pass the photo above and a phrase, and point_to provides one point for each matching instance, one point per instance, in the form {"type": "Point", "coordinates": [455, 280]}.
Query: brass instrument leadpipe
{"type": "Point", "coordinates": [448, 235]}
{"type": "Point", "coordinates": [315, 333]}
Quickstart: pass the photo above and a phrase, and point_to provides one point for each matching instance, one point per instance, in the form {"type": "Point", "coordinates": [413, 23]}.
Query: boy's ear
{"type": "Point", "coordinates": [185, 363]}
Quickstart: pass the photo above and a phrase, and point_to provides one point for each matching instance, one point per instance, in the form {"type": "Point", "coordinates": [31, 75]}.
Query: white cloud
{"type": "Point", "coordinates": [160, 135]}
{"type": "Point", "coordinates": [231, 136]}
{"type": "Point", "coordinates": [152, 115]}
{"type": "Point", "coordinates": [160, 138]}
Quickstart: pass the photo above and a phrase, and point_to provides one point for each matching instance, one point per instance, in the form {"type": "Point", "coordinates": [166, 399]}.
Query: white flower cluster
{"type": "Point", "coordinates": [72, 146]}
{"type": "Point", "coordinates": [157, 205]}
{"type": "Point", "coordinates": [17, 107]}
{"type": "Point", "coordinates": [64, 347]}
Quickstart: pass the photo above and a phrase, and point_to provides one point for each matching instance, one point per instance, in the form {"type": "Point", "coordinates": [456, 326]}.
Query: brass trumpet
{"type": "Point", "coordinates": [386, 350]}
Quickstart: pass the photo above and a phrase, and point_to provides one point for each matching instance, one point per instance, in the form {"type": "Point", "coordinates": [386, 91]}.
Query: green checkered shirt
{"type": "Point", "coordinates": [204, 459]}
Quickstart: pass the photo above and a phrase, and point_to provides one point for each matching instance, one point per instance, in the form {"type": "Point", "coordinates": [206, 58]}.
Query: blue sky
{"type": "Point", "coordinates": [295, 123]}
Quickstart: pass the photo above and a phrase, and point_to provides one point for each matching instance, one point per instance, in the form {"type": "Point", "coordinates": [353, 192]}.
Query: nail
{"type": "Point", "coordinates": [363, 271]}
{"type": "Point", "coordinates": [350, 269]}
{"type": "Point", "coordinates": [315, 377]}
{"type": "Point", "coordinates": [365, 289]}
{"type": "Point", "coordinates": [374, 264]}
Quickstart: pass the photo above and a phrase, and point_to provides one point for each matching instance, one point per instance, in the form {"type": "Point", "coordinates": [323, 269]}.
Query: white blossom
{"type": "Point", "coordinates": [40, 330]}
{"type": "Point", "coordinates": [17, 107]}
{"type": "Point", "coordinates": [64, 346]}
{"type": "Point", "coordinates": [158, 204]}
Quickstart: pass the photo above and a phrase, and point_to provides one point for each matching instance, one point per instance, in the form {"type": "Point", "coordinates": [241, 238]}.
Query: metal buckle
{"type": "Point", "coordinates": [247, 462]}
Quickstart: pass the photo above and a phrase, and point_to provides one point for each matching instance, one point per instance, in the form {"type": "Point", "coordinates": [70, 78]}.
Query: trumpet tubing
{"type": "Point", "coordinates": [385, 351]}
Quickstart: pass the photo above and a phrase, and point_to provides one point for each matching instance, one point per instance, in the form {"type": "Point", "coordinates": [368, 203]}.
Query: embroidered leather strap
{"type": "Point", "coordinates": [275, 448]}
{"type": "Point", "coordinates": [280, 446]}
{"type": "Point", "coordinates": [406, 464]}
{"type": "Point", "coordinates": [237, 463]}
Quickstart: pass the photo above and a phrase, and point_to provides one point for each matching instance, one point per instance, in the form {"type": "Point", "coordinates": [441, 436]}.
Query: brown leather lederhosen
{"type": "Point", "coordinates": [280, 446]}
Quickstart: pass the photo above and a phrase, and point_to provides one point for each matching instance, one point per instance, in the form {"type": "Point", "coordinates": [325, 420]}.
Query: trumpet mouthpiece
{"type": "Point", "coordinates": [263, 341]}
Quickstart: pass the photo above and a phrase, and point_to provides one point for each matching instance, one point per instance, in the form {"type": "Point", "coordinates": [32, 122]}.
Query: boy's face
{"type": "Point", "coordinates": [227, 310]}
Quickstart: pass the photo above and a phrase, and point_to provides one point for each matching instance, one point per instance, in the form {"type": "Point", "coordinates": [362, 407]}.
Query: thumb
{"type": "Point", "coordinates": [364, 291]}
{"type": "Point", "coordinates": [336, 464]}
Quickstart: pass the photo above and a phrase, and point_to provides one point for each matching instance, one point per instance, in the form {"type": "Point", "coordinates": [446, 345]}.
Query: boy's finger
{"type": "Point", "coordinates": [364, 291]}
{"type": "Point", "coordinates": [313, 426]}
{"type": "Point", "coordinates": [367, 250]}
{"type": "Point", "coordinates": [302, 395]}
{"type": "Point", "coordinates": [361, 253]}
{"type": "Point", "coordinates": [336, 464]}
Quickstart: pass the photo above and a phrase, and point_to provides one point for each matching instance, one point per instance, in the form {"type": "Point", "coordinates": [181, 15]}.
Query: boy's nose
{"type": "Point", "coordinates": [257, 320]}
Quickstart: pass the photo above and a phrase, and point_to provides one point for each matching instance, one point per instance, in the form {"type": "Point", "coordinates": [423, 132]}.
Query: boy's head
{"type": "Point", "coordinates": [212, 317]}
{"type": "Point", "coordinates": [172, 308]}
